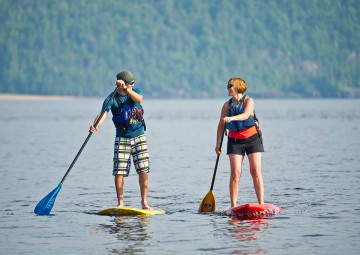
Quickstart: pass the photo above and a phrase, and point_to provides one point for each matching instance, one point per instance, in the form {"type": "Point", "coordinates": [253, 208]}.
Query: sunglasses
{"type": "Point", "coordinates": [230, 85]}
{"type": "Point", "coordinates": [132, 82]}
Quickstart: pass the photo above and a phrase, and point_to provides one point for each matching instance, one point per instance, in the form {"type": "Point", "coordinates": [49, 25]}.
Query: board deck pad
{"type": "Point", "coordinates": [252, 210]}
{"type": "Point", "coordinates": [128, 211]}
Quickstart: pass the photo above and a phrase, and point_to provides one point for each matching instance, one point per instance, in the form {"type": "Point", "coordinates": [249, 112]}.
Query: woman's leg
{"type": "Point", "coordinates": [255, 170]}
{"type": "Point", "coordinates": [235, 166]}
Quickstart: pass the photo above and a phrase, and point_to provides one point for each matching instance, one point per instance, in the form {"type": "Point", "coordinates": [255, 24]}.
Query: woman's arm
{"type": "Point", "coordinates": [248, 110]}
{"type": "Point", "coordinates": [221, 127]}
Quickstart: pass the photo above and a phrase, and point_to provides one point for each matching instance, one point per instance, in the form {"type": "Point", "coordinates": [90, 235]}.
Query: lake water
{"type": "Point", "coordinates": [310, 169]}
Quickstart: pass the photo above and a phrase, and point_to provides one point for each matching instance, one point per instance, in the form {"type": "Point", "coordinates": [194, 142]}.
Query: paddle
{"type": "Point", "coordinates": [46, 204]}
{"type": "Point", "coordinates": [208, 204]}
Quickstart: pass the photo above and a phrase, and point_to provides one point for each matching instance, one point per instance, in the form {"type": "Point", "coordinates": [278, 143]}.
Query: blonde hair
{"type": "Point", "coordinates": [239, 84]}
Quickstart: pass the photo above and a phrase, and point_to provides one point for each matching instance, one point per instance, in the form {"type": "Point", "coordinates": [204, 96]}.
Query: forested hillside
{"type": "Point", "coordinates": [181, 48]}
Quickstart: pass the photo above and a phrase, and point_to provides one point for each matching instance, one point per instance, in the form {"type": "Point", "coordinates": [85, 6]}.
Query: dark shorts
{"type": "Point", "coordinates": [241, 146]}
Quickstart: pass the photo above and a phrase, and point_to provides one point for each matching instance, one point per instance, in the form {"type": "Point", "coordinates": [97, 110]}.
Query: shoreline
{"type": "Point", "coordinates": [38, 97]}
{"type": "Point", "coordinates": [30, 97]}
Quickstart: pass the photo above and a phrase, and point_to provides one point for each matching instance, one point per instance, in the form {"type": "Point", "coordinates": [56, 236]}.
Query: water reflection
{"type": "Point", "coordinates": [247, 230]}
{"type": "Point", "coordinates": [133, 230]}
{"type": "Point", "coordinates": [245, 234]}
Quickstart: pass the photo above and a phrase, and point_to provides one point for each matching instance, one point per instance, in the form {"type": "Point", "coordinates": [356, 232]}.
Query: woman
{"type": "Point", "coordinates": [238, 116]}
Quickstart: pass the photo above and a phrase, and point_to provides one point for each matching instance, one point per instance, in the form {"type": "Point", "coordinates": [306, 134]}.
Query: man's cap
{"type": "Point", "coordinates": [126, 76]}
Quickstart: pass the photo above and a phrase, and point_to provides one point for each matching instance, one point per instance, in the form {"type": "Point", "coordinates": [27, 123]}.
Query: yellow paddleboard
{"type": "Point", "coordinates": [128, 211]}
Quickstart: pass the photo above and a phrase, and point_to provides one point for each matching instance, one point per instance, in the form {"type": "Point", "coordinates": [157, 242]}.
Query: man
{"type": "Point", "coordinates": [130, 137]}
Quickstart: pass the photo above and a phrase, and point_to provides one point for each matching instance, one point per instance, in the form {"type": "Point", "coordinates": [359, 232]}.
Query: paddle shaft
{"type": "Point", "coordinates": [89, 135]}
{"type": "Point", "coordinates": [217, 161]}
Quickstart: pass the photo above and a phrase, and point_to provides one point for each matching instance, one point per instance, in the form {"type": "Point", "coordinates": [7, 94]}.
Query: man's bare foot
{"type": "Point", "coordinates": [120, 205]}
{"type": "Point", "coordinates": [146, 207]}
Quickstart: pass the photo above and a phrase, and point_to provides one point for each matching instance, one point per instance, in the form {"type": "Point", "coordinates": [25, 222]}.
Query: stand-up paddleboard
{"type": "Point", "coordinates": [252, 210]}
{"type": "Point", "coordinates": [128, 211]}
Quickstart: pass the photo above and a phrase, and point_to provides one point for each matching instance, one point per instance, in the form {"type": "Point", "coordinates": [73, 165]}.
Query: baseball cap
{"type": "Point", "coordinates": [126, 76]}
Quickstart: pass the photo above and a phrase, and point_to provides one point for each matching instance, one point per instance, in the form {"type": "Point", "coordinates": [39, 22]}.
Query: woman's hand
{"type": "Point", "coordinates": [218, 150]}
{"type": "Point", "coordinates": [227, 119]}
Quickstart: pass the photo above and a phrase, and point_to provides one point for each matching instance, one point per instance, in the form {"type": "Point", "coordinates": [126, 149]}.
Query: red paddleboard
{"type": "Point", "coordinates": [253, 210]}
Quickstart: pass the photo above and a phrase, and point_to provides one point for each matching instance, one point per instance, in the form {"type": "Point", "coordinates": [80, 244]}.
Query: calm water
{"type": "Point", "coordinates": [311, 170]}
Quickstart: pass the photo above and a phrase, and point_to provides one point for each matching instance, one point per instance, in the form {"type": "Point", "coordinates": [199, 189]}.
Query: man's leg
{"type": "Point", "coordinates": [143, 181]}
{"type": "Point", "coordinates": [119, 186]}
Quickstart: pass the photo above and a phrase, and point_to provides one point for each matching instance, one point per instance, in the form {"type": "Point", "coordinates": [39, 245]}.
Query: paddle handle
{"type": "Point", "coordinates": [88, 137]}
{"type": "Point", "coordinates": [217, 160]}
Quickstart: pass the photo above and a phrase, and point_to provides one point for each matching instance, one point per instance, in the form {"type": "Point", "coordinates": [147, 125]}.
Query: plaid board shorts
{"type": "Point", "coordinates": [135, 147]}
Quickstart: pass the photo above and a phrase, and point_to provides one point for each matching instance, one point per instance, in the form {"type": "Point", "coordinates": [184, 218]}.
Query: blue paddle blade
{"type": "Point", "coordinates": [46, 204]}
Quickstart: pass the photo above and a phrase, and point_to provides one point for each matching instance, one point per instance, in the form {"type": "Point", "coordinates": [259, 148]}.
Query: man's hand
{"type": "Point", "coordinates": [92, 129]}
{"type": "Point", "coordinates": [120, 84]}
